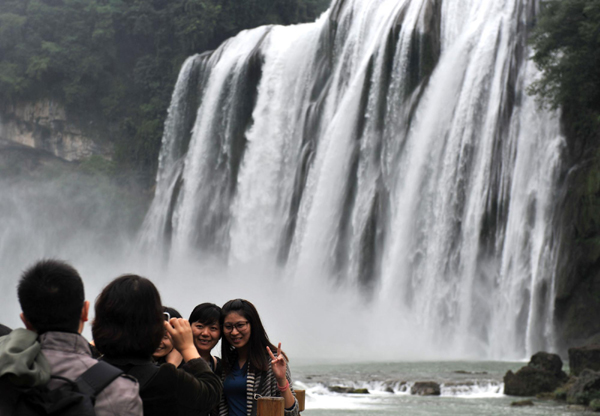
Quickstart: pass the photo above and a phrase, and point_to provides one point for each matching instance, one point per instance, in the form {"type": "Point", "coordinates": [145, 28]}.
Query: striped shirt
{"type": "Point", "coordinates": [264, 384]}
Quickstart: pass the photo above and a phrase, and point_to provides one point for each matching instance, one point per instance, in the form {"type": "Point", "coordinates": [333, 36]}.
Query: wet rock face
{"type": "Point", "coordinates": [542, 374]}
{"type": "Point", "coordinates": [586, 389]}
{"type": "Point", "coordinates": [584, 357]}
{"type": "Point", "coordinates": [44, 125]}
{"type": "Point", "coordinates": [546, 362]}
{"type": "Point", "coordinates": [425, 388]}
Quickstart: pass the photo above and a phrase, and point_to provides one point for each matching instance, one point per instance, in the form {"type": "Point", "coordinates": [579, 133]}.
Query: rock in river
{"type": "Point", "coordinates": [584, 357]}
{"type": "Point", "coordinates": [586, 389]}
{"type": "Point", "coordinates": [426, 388]}
{"type": "Point", "coordinates": [542, 374]}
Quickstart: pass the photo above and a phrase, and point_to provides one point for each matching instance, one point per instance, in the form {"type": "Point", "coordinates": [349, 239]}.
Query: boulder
{"type": "Point", "coordinates": [546, 362]}
{"type": "Point", "coordinates": [522, 403]}
{"type": "Point", "coordinates": [584, 357]}
{"type": "Point", "coordinates": [586, 388]}
{"type": "Point", "coordinates": [359, 391]}
{"type": "Point", "coordinates": [426, 388]}
{"type": "Point", "coordinates": [403, 387]}
{"type": "Point", "coordinates": [542, 374]}
{"type": "Point", "coordinates": [347, 390]}
{"type": "Point", "coordinates": [546, 396]}
{"type": "Point", "coordinates": [340, 389]}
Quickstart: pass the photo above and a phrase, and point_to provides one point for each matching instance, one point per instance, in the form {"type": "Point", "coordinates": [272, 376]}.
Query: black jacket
{"type": "Point", "coordinates": [192, 389]}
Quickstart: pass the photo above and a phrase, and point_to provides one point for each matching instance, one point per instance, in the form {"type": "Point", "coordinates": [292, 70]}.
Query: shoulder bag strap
{"type": "Point", "coordinates": [97, 377]}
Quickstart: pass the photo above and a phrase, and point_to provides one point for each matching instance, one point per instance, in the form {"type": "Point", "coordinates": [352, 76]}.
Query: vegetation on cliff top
{"type": "Point", "coordinates": [567, 51]}
{"type": "Point", "coordinates": [566, 42]}
{"type": "Point", "coordinates": [114, 63]}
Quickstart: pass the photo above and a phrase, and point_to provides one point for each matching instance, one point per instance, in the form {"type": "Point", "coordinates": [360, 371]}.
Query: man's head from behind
{"type": "Point", "coordinates": [52, 297]}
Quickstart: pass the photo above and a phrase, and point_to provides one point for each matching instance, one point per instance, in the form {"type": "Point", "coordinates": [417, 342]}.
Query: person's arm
{"type": "Point", "coordinates": [197, 386]}
{"type": "Point", "coordinates": [281, 373]}
{"type": "Point", "coordinates": [174, 357]}
{"type": "Point", "coordinates": [182, 337]}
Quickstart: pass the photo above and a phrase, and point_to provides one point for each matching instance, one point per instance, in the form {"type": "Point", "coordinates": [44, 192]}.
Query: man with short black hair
{"type": "Point", "coordinates": [54, 311]}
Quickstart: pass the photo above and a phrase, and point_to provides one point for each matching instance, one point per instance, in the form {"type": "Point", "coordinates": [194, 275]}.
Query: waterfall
{"type": "Point", "coordinates": [388, 149]}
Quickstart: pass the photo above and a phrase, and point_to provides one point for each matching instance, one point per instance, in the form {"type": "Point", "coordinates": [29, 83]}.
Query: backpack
{"type": "Point", "coordinates": [73, 398]}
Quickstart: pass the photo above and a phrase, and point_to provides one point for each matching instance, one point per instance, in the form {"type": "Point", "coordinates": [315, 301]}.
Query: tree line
{"type": "Point", "coordinates": [114, 63]}
{"type": "Point", "coordinates": [566, 45]}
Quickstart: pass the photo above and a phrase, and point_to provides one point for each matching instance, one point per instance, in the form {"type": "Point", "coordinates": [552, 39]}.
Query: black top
{"type": "Point", "coordinates": [218, 370]}
{"type": "Point", "coordinates": [163, 360]}
{"type": "Point", "coordinates": [166, 390]}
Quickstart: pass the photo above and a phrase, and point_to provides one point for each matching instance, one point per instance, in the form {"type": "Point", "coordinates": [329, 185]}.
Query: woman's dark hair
{"type": "Point", "coordinates": [206, 314]}
{"type": "Point", "coordinates": [173, 313]}
{"type": "Point", "coordinates": [258, 342]}
{"type": "Point", "coordinates": [129, 318]}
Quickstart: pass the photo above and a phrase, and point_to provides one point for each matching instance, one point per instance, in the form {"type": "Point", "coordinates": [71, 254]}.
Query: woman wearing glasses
{"type": "Point", "coordinates": [251, 364]}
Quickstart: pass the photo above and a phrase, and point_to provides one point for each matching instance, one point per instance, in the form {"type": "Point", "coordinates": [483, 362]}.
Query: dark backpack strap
{"type": "Point", "coordinates": [96, 378]}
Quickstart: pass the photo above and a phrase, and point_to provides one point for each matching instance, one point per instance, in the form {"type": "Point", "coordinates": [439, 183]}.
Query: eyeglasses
{"type": "Point", "coordinates": [240, 326]}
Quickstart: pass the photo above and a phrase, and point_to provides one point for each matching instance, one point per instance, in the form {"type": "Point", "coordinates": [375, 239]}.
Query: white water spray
{"type": "Point", "coordinates": [380, 176]}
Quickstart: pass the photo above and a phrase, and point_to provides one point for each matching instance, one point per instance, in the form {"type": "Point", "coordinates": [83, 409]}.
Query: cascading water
{"type": "Point", "coordinates": [389, 149]}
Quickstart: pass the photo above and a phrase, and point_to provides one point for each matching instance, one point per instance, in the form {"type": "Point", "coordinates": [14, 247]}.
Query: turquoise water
{"type": "Point", "coordinates": [467, 388]}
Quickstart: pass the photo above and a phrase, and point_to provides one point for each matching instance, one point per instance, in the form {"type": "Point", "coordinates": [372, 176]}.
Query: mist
{"type": "Point", "coordinates": [93, 225]}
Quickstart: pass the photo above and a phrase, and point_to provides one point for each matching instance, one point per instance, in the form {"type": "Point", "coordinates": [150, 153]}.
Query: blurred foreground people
{"type": "Point", "coordinates": [204, 320]}
{"type": "Point", "coordinates": [128, 328]}
{"type": "Point", "coordinates": [251, 364]}
{"type": "Point", "coordinates": [54, 311]}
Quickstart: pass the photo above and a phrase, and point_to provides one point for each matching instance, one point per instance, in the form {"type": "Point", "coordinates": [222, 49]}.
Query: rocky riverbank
{"type": "Point", "coordinates": [544, 378]}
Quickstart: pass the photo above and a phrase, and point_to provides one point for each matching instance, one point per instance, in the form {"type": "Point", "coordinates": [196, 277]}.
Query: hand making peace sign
{"type": "Point", "coordinates": [278, 364]}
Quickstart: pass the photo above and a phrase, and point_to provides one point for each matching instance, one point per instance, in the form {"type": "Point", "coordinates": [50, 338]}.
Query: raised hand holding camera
{"type": "Point", "coordinates": [183, 340]}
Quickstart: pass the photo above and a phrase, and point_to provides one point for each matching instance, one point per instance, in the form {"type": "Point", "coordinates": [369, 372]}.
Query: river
{"type": "Point", "coordinates": [468, 388]}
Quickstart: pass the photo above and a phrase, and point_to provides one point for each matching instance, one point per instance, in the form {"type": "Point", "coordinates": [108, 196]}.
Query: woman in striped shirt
{"type": "Point", "coordinates": [252, 365]}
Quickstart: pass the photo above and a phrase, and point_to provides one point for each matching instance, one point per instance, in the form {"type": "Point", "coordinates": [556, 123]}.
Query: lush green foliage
{"type": "Point", "coordinates": [566, 42]}
{"type": "Point", "coordinates": [114, 63]}
{"type": "Point", "coordinates": [567, 49]}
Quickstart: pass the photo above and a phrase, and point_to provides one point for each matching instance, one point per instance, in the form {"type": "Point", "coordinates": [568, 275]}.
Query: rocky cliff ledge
{"type": "Point", "coordinates": [43, 125]}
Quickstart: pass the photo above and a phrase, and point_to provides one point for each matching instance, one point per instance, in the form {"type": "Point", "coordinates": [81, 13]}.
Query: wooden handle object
{"type": "Point", "coordinates": [270, 406]}
{"type": "Point", "coordinates": [300, 396]}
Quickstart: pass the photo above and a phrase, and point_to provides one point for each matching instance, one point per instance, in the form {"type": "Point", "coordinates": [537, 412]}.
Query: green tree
{"type": "Point", "coordinates": [566, 41]}
{"type": "Point", "coordinates": [115, 62]}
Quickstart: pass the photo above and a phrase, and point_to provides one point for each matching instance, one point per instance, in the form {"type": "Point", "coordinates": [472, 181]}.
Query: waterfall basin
{"type": "Point", "coordinates": [467, 388]}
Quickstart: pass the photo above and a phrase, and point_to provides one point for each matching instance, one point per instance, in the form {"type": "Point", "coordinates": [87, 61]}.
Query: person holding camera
{"type": "Point", "coordinates": [127, 330]}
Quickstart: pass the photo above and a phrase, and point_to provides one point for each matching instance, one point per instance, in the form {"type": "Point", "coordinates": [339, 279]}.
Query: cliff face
{"type": "Point", "coordinates": [577, 308]}
{"type": "Point", "coordinates": [43, 125]}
